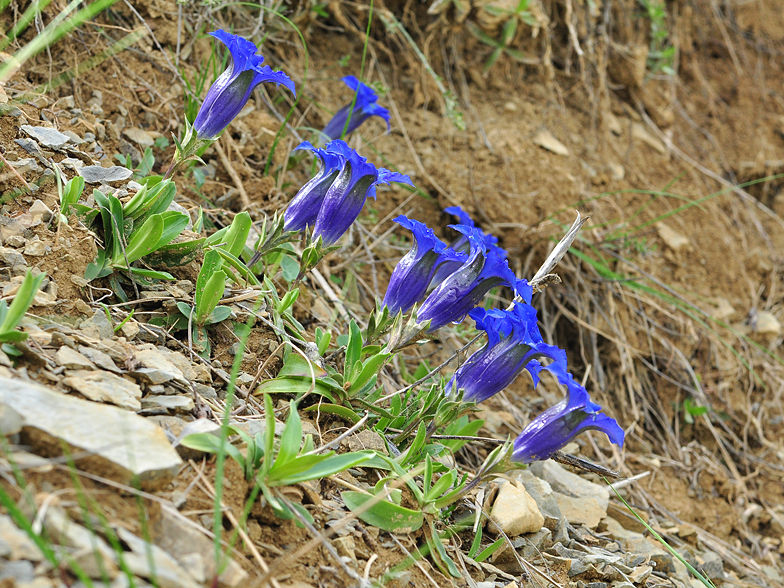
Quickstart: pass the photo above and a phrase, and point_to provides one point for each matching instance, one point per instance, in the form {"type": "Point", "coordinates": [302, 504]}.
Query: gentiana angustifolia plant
{"type": "Point", "coordinates": [141, 227]}
{"type": "Point", "coordinates": [422, 425]}
{"type": "Point", "coordinates": [288, 460]}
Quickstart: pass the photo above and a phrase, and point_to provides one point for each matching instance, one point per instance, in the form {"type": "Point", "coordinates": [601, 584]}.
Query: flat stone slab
{"type": "Point", "coordinates": [105, 387]}
{"type": "Point", "coordinates": [119, 444]}
{"type": "Point", "coordinates": [46, 136]}
{"type": "Point", "coordinates": [95, 174]}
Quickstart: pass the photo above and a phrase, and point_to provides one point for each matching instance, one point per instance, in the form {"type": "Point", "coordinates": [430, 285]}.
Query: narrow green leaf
{"type": "Point", "coordinates": [211, 295]}
{"type": "Point", "coordinates": [444, 483]}
{"type": "Point", "coordinates": [22, 301]}
{"type": "Point", "coordinates": [332, 465]}
{"type": "Point", "coordinates": [174, 223]}
{"type": "Point", "coordinates": [142, 242]}
{"type": "Point", "coordinates": [291, 438]}
{"type": "Point", "coordinates": [354, 347]}
{"type": "Point", "coordinates": [384, 515]}
{"type": "Point", "coordinates": [336, 409]}
{"type": "Point", "coordinates": [237, 234]}
{"type": "Point", "coordinates": [489, 550]}
{"type": "Point", "coordinates": [370, 368]}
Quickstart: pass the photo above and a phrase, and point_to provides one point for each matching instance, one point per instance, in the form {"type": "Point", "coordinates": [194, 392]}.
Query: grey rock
{"type": "Point", "coordinates": [15, 241]}
{"type": "Point", "coordinates": [367, 439]}
{"type": "Point", "coordinates": [140, 136]}
{"type": "Point", "coordinates": [90, 552]}
{"type": "Point", "coordinates": [16, 544]}
{"type": "Point", "coordinates": [177, 429]}
{"type": "Point", "coordinates": [41, 210]}
{"type": "Point", "coordinates": [72, 360]}
{"type": "Point", "coordinates": [74, 138]}
{"type": "Point", "coordinates": [30, 146]}
{"type": "Point", "coordinates": [35, 248]}
{"type": "Point", "coordinates": [95, 174]}
{"type": "Point", "coordinates": [103, 386]}
{"type": "Point", "coordinates": [46, 136]}
{"type": "Point", "coordinates": [26, 165]}
{"type": "Point", "coordinates": [711, 565]}
{"type": "Point", "coordinates": [156, 367]}
{"type": "Point", "coordinates": [152, 562]}
{"type": "Point", "coordinates": [98, 326]}
{"type": "Point", "coordinates": [531, 545]}
{"type": "Point", "coordinates": [181, 540]}
{"type": "Point", "coordinates": [10, 110]}
{"type": "Point", "coordinates": [121, 444]}
{"type": "Point", "coordinates": [171, 403]}
{"type": "Point", "coordinates": [20, 571]}
{"type": "Point", "coordinates": [11, 258]}
{"type": "Point", "coordinates": [99, 358]}
{"type": "Point", "coordinates": [580, 501]}
{"type": "Point", "coordinates": [541, 491]}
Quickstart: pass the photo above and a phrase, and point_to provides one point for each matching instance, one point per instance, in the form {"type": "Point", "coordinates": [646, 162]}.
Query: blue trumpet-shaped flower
{"type": "Point", "coordinates": [229, 93]}
{"type": "Point", "coordinates": [346, 196]}
{"type": "Point", "coordinates": [364, 107]}
{"type": "Point", "coordinates": [411, 277]}
{"type": "Point", "coordinates": [464, 288]}
{"type": "Point", "coordinates": [461, 244]}
{"type": "Point", "coordinates": [303, 210]}
{"type": "Point", "coordinates": [513, 344]}
{"type": "Point", "coordinates": [560, 424]}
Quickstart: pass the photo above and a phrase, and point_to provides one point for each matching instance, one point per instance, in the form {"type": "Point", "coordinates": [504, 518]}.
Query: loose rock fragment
{"type": "Point", "coordinates": [544, 138]}
{"type": "Point", "coordinates": [106, 387]}
{"type": "Point", "coordinates": [121, 444]}
{"type": "Point", "coordinates": [72, 360]}
{"type": "Point", "coordinates": [515, 511]}
{"type": "Point", "coordinates": [95, 174]}
{"type": "Point", "coordinates": [46, 136]}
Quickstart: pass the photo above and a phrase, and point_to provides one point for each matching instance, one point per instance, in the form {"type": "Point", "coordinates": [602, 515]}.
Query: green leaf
{"type": "Point", "coordinates": [241, 268]}
{"type": "Point", "coordinates": [175, 254]}
{"type": "Point", "coordinates": [489, 550]}
{"type": "Point", "coordinates": [145, 273]}
{"type": "Point", "coordinates": [410, 455]}
{"type": "Point", "coordinates": [142, 242]}
{"type": "Point", "coordinates": [327, 467]}
{"type": "Point", "coordinates": [444, 483]}
{"type": "Point", "coordinates": [336, 409]}
{"type": "Point", "coordinates": [354, 347]}
{"type": "Point", "coordinates": [71, 193]}
{"type": "Point", "coordinates": [291, 438]}
{"type": "Point", "coordinates": [476, 543]}
{"type": "Point", "coordinates": [209, 443]}
{"type": "Point", "coordinates": [369, 369]}
{"type": "Point", "coordinates": [218, 315]}
{"type": "Point", "coordinates": [22, 300]}
{"type": "Point", "coordinates": [442, 554]}
{"type": "Point", "coordinates": [288, 300]}
{"type": "Point", "coordinates": [174, 223]}
{"type": "Point", "coordinates": [211, 295]}
{"type": "Point", "coordinates": [289, 267]}
{"type": "Point", "coordinates": [237, 234]}
{"type": "Point", "coordinates": [296, 365]}
{"type": "Point", "coordinates": [384, 515]}
{"type": "Point", "coordinates": [294, 386]}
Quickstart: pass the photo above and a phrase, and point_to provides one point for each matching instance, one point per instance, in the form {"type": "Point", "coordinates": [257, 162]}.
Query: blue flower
{"type": "Point", "coordinates": [461, 243]}
{"type": "Point", "coordinates": [513, 344]}
{"type": "Point", "coordinates": [364, 107]}
{"type": "Point", "coordinates": [560, 424]}
{"type": "Point", "coordinates": [461, 291]}
{"type": "Point", "coordinates": [411, 277]}
{"type": "Point", "coordinates": [229, 93]}
{"type": "Point", "coordinates": [303, 210]}
{"type": "Point", "coordinates": [346, 196]}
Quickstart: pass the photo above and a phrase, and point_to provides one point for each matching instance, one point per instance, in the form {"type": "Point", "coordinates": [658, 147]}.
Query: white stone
{"type": "Point", "coordinates": [673, 239]}
{"type": "Point", "coordinates": [767, 324]}
{"type": "Point", "coordinates": [515, 511]}
{"type": "Point", "coordinates": [544, 138]}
